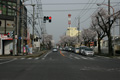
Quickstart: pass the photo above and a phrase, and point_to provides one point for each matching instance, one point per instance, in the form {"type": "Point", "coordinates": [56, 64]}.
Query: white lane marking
{"type": "Point", "coordinates": [8, 61]}
{"type": "Point", "coordinates": [76, 57]}
{"type": "Point", "coordinates": [36, 58]}
{"type": "Point", "coordinates": [46, 55]}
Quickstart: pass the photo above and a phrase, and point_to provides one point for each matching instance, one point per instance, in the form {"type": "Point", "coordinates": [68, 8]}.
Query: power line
{"type": "Point", "coordinates": [87, 10]}
{"type": "Point", "coordinates": [70, 3]}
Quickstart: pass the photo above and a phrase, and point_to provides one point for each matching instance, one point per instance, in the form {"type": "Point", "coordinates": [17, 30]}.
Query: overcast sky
{"type": "Point", "coordinates": [56, 9]}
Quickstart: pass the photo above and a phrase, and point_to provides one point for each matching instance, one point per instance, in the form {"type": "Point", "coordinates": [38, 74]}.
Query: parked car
{"type": "Point", "coordinates": [76, 50]}
{"type": "Point", "coordinates": [55, 50]}
{"type": "Point", "coordinates": [82, 49]}
{"type": "Point", "coordinates": [70, 49]}
{"type": "Point", "coordinates": [88, 52]}
{"type": "Point", "coordinates": [73, 49]}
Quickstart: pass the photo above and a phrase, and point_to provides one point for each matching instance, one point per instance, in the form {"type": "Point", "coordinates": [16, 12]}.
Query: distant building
{"type": "Point", "coordinates": [72, 31]}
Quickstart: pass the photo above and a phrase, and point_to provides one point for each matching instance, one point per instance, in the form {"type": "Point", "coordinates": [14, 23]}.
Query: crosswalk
{"type": "Point", "coordinates": [30, 58]}
{"type": "Point", "coordinates": [38, 58]}
{"type": "Point", "coordinates": [69, 57]}
{"type": "Point", "coordinates": [84, 58]}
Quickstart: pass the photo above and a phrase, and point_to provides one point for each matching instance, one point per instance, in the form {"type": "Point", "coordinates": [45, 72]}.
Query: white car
{"type": "Point", "coordinates": [76, 50]}
{"type": "Point", "coordinates": [82, 49]}
{"type": "Point", "coordinates": [55, 50]}
{"type": "Point", "coordinates": [88, 52]}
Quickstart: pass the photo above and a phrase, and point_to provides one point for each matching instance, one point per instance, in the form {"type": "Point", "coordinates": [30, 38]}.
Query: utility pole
{"type": "Point", "coordinates": [109, 34]}
{"type": "Point", "coordinates": [78, 29]}
{"type": "Point", "coordinates": [18, 20]}
{"type": "Point", "coordinates": [119, 24]}
{"type": "Point", "coordinates": [33, 23]}
{"type": "Point", "coordinates": [14, 32]}
{"type": "Point", "coordinates": [22, 28]}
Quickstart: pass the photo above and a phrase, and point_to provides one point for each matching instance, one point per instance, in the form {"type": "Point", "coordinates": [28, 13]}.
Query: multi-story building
{"type": "Point", "coordinates": [13, 18]}
{"type": "Point", "coordinates": [72, 31]}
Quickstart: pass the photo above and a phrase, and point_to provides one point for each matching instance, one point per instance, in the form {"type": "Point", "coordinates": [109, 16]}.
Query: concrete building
{"type": "Point", "coordinates": [72, 31]}
{"type": "Point", "coordinates": [11, 14]}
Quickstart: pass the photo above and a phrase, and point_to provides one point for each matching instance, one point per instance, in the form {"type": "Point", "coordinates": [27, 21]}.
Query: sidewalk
{"type": "Point", "coordinates": [34, 54]}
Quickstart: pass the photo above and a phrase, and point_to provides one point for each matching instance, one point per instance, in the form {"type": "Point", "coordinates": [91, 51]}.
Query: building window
{"type": "Point", "coordinates": [7, 8]}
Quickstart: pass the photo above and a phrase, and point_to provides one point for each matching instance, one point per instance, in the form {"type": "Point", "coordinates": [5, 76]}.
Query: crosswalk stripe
{"type": "Point", "coordinates": [76, 57]}
{"type": "Point", "coordinates": [37, 58]}
{"type": "Point", "coordinates": [83, 58]}
{"type": "Point", "coordinates": [91, 58]}
{"type": "Point", "coordinates": [29, 58]}
{"type": "Point", "coordinates": [22, 58]}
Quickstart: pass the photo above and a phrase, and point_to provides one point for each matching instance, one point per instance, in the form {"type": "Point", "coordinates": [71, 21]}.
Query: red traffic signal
{"type": "Point", "coordinates": [8, 34]}
{"type": "Point", "coordinates": [47, 18]}
{"type": "Point", "coordinates": [50, 17]}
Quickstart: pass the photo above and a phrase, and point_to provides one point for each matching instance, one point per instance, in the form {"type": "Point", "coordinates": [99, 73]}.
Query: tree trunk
{"type": "Point", "coordinates": [99, 46]}
{"type": "Point", "coordinates": [110, 50]}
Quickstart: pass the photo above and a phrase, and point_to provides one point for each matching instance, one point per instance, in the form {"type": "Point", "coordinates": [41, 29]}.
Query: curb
{"type": "Point", "coordinates": [35, 54]}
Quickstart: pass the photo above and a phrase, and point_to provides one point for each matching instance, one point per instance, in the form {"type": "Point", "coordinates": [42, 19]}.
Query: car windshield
{"type": "Point", "coordinates": [76, 48]}
{"type": "Point", "coordinates": [83, 47]}
{"type": "Point", "coordinates": [89, 49]}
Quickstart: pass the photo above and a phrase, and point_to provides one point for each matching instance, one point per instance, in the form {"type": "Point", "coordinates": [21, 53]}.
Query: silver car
{"type": "Point", "coordinates": [88, 52]}
{"type": "Point", "coordinates": [82, 49]}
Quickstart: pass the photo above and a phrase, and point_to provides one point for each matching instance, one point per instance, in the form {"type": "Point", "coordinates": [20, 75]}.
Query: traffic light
{"type": "Point", "coordinates": [8, 34]}
{"type": "Point", "coordinates": [44, 19]}
{"type": "Point", "coordinates": [50, 19]}
{"type": "Point", "coordinates": [47, 18]}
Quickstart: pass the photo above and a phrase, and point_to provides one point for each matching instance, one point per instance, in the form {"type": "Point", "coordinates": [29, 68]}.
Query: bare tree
{"type": "Point", "coordinates": [68, 40]}
{"type": "Point", "coordinates": [47, 40]}
{"type": "Point", "coordinates": [105, 24]}
{"type": "Point", "coordinates": [100, 33]}
{"type": "Point", "coordinates": [88, 35]}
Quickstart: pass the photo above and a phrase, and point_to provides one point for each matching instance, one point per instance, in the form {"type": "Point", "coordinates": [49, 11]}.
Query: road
{"type": "Point", "coordinates": [60, 66]}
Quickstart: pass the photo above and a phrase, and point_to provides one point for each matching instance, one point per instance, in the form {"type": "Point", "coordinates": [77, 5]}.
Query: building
{"type": "Point", "coordinates": [72, 31]}
{"type": "Point", "coordinates": [11, 17]}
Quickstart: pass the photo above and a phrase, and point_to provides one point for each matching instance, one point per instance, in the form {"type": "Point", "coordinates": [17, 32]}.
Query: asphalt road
{"type": "Point", "coordinates": [60, 66]}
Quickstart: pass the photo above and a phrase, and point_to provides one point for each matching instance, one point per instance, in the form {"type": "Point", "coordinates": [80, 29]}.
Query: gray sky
{"type": "Point", "coordinates": [59, 23]}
